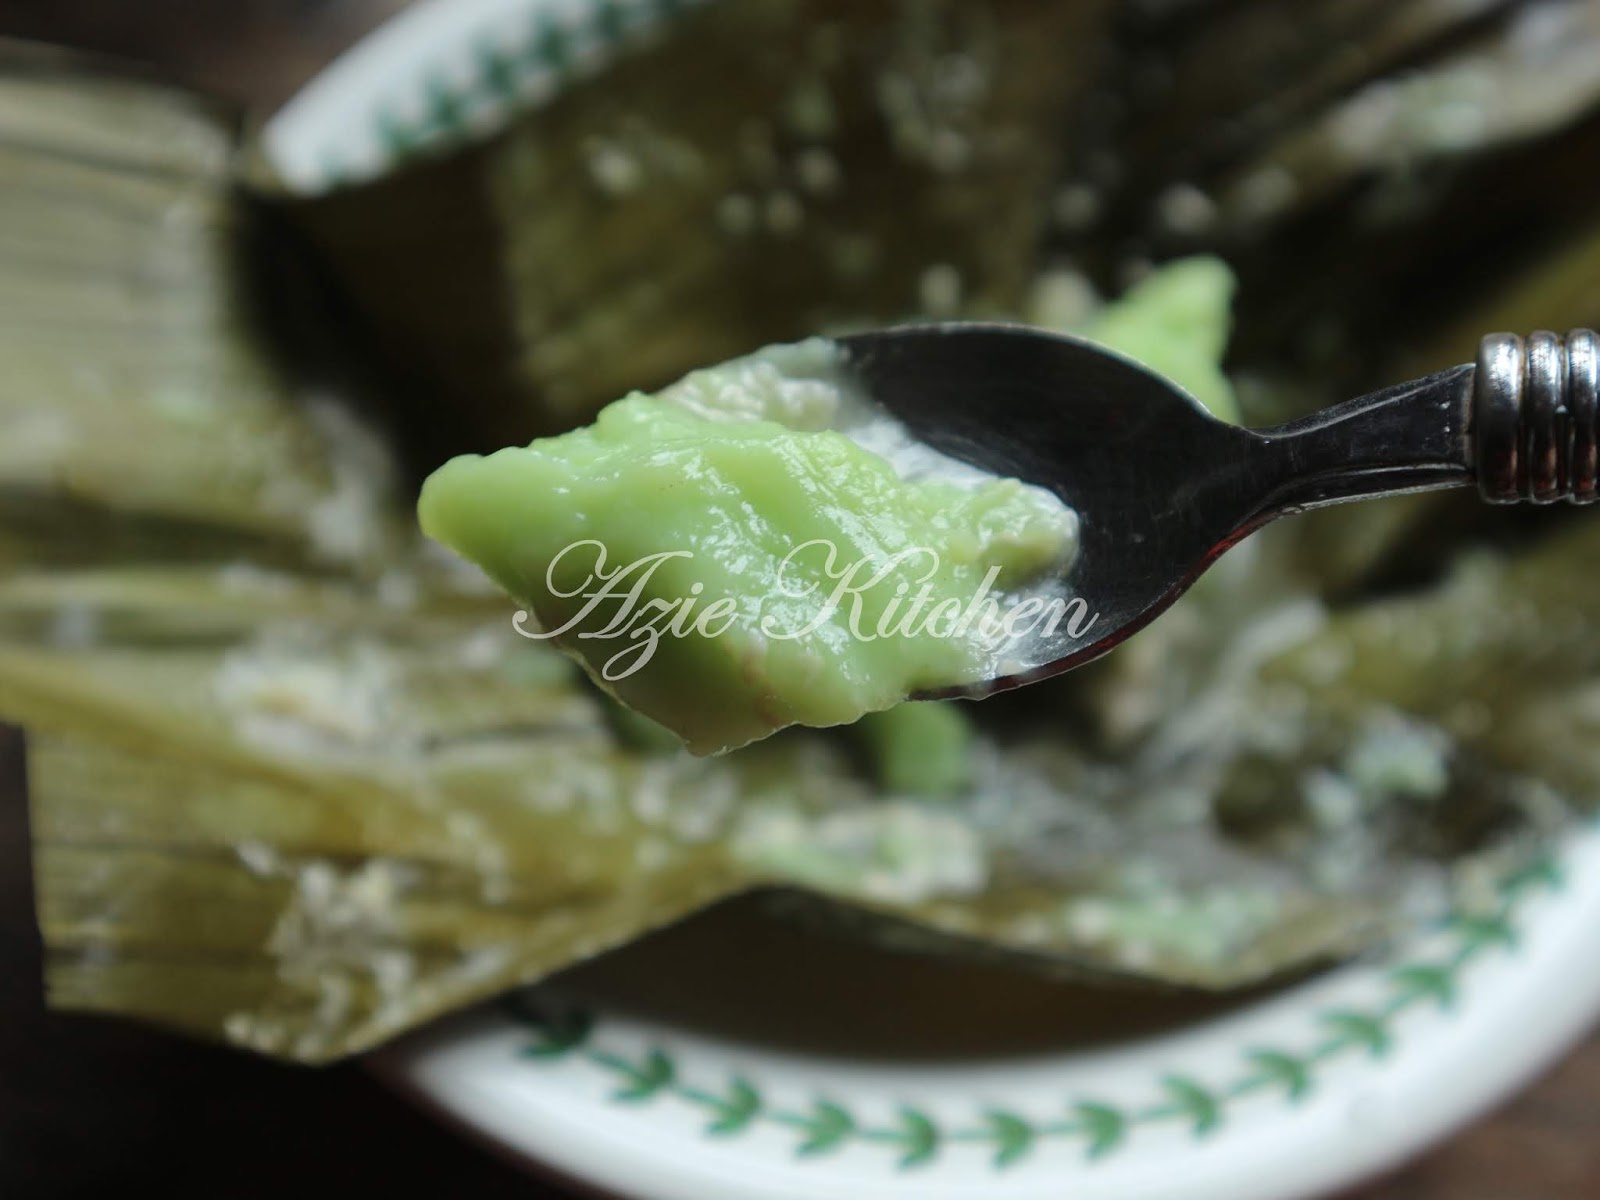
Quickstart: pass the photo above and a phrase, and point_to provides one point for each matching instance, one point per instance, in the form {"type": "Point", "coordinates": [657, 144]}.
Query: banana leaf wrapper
{"type": "Point", "coordinates": [1452, 141]}
{"type": "Point", "coordinates": [304, 821]}
{"type": "Point", "coordinates": [143, 414]}
{"type": "Point", "coordinates": [762, 170]}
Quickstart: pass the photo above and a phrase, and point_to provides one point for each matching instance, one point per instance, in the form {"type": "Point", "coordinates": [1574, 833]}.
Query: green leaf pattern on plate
{"type": "Point", "coordinates": [1191, 1102]}
{"type": "Point", "coordinates": [1104, 1127]}
{"type": "Point", "coordinates": [733, 1110]}
{"type": "Point", "coordinates": [917, 1138]}
{"type": "Point", "coordinates": [1289, 1073]}
{"type": "Point", "coordinates": [1011, 1136]}
{"type": "Point", "coordinates": [552, 49]}
{"type": "Point", "coordinates": [826, 1128]}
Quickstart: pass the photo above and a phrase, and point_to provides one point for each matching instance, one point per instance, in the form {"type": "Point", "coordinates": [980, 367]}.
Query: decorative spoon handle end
{"type": "Point", "coordinates": [1535, 423]}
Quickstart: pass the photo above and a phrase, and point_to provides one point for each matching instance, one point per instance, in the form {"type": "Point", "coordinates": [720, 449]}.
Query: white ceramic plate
{"type": "Point", "coordinates": [1294, 1095]}
{"type": "Point", "coordinates": [439, 71]}
{"type": "Point", "coordinates": [1314, 1088]}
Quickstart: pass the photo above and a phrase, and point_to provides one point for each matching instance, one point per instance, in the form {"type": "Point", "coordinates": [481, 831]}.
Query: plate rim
{"type": "Point", "coordinates": [1548, 910]}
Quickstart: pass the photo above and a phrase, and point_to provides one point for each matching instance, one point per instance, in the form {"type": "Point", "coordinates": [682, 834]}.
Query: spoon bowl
{"type": "Point", "coordinates": [1162, 488]}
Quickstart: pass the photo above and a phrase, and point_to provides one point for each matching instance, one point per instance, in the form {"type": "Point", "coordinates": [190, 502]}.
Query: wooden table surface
{"type": "Point", "coordinates": [89, 1107]}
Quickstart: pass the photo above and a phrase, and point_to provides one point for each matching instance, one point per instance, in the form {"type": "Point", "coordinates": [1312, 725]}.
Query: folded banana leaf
{"type": "Point", "coordinates": [1370, 167]}
{"type": "Point", "coordinates": [281, 813]}
{"type": "Point", "coordinates": [143, 416]}
{"type": "Point", "coordinates": [763, 170]}
{"type": "Point", "coordinates": [296, 783]}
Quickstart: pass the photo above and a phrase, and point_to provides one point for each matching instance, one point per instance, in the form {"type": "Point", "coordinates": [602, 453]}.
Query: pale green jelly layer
{"type": "Point", "coordinates": [1176, 322]}
{"type": "Point", "coordinates": [921, 748]}
{"type": "Point", "coordinates": [701, 469]}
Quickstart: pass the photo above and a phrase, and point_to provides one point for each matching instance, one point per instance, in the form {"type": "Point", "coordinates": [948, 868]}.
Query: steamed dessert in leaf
{"type": "Point", "coordinates": [389, 805]}
{"type": "Point", "coordinates": [755, 547]}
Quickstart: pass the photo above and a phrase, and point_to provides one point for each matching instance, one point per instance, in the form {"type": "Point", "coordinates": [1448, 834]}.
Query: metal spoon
{"type": "Point", "coordinates": [1162, 488]}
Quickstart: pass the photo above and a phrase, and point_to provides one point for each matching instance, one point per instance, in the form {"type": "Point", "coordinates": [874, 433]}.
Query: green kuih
{"type": "Point", "coordinates": [757, 546]}
{"type": "Point", "coordinates": [921, 748]}
{"type": "Point", "coordinates": [722, 558]}
{"type": "Point", "coordinates": [1176, 322]}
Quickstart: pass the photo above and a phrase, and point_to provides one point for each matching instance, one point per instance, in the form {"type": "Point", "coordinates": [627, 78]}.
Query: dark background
{"type": "Point", "coordinates": [89, 1107]}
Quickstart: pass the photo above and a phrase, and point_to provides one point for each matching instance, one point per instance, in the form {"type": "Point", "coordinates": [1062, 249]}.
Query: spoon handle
{"type": "Point", "coordinates": [1535, 420]}
{"type": "Point", "coordinates": [1523, 423]}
